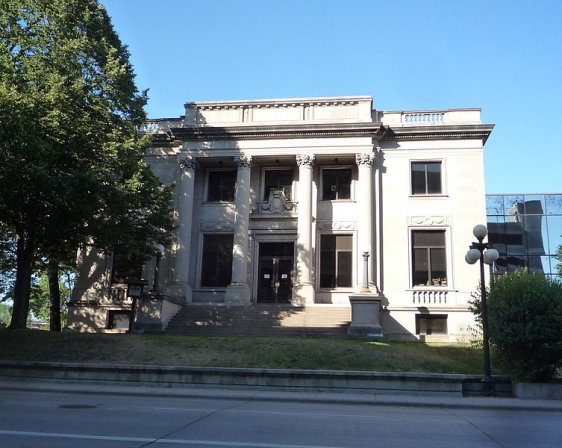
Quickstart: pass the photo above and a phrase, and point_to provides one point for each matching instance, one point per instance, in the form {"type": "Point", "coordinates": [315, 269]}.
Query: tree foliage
{"type": "Point", "coordinates": [525, 320]}
{"type": "Point", "coordinates": [71, 157]}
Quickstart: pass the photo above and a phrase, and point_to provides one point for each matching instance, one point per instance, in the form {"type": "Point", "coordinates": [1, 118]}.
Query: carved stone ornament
{"type": "Point", "coordinates": [305, 160]}
{"type": "Point", "coordinates": [336, 225]}
{"type": "Point", "coordinates": [186, 163]}
{"type": "Point", "coordinates": [365, 159]}
{"type": "Point", "coordinates": [244, 161]}
{"type": "Point", "coordinates": [429, 220]}
{"type": "Point", "coordinates": [217, 226]}
{"type": "Point", "coordinates": [277, 202]}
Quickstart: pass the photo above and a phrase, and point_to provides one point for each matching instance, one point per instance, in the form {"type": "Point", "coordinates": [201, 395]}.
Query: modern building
{"type": "Point", "coordinates": [526, 229]}
{"type": "Point", "coordinates": [278, 200]}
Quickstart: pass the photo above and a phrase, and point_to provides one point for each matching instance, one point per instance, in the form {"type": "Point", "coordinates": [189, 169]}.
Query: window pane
{"type": "Point", "coordinates": [421, 267]}
{"type": "Point", "coordinates": [426, 177]}
{"type": "Point", "coordinates": [278, 179]}
{"type": "Point", "coordinates": [438, 266]}
{"type": "Point", "coordinates": [221, 186]}
{"type": "Point", "coordinates": [336, 261]}
{"type": "Point", "coordinates": [418, 178]}
{"type": "Point", "coordinates": [553, 204]}
{"type": "Point", "coordinates": [217, 260]}
{"type": "Point", "coordinates": [429, 258]}
{"type": "Point", "coordinates": [434, 178]}
{"type": "Point", "coordinates": [344, 269]}
{"type": "Point", "coordinates": [554, 224]}
{"type": "Point", "coordinates": [494, 205]}
{"type": "Point", "coordinates": [428, 238]}
{"type": "Point", "coordinates": [336, 184]}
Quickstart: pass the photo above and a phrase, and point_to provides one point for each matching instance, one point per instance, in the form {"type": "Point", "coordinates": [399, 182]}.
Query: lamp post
{"type": "Point", "coordinates": [482, 251]}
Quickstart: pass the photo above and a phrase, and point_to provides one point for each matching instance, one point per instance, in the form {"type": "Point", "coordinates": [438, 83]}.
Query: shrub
{"type": "Point", "coordinates": [525, 324]}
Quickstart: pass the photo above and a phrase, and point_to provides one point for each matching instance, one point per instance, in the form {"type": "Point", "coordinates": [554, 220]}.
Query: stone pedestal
{"type": "Point", "coordinates": [154, 311]}
{"type": "Point", "coordinates": [365, 309]}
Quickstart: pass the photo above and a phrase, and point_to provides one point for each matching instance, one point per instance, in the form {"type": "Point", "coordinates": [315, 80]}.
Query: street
{"type": "Point", "coordinates": [68, 419]}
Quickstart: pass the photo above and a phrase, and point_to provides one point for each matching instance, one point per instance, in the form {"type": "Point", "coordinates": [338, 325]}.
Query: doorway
{"type": "Point", "coordinates": [275, 266]}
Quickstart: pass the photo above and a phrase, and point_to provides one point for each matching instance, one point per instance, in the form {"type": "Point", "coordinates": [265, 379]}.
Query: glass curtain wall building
{"type": "Point", "coordinates": [526, 229]}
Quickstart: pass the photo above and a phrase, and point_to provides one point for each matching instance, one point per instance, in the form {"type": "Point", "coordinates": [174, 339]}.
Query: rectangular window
{"type": "Point", "coordinates": [336, 261]}
{"type": "Point", "coordinates": [431, 324]}
{"type": "Point", "coordinates": [426, 178]}
{"type": "Point", "coordinates": [221, 185]}
{"type": "Point", "coordinates": [336, 184]}
{"type": "Point", "coordinates": [278, 180]}
{"type": "Point", "coordinates": [428, 258]}
{"type": "Point", "coordinates": [217, 260]}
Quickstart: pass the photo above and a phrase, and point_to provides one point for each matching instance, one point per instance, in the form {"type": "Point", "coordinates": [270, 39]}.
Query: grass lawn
{"type": "Point", "coordinates": [260, 352]}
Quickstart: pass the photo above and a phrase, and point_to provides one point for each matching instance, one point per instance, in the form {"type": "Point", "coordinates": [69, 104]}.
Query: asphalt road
{"type": "Point", "coordinates": [60, 419]}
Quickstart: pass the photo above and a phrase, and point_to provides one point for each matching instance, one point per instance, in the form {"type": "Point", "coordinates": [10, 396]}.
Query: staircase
{"type": "Point", "coordinates": [260, 320]}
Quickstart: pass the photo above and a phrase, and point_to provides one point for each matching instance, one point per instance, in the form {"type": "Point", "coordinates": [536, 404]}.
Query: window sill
{"type": "Point", "coordinates": [429, 196]}
{"type": "Point", "coordinates": [432, 288]}
{"type": "Point", "coordinates": [337, 200]}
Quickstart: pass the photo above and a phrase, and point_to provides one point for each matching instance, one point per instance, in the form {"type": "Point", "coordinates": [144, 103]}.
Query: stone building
{"type": "Point", "coordinates": [277, 200]}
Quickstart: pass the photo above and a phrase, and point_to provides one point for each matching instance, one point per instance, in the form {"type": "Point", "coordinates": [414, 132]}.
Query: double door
{"type": "Point", "coordinates": [275, 272]}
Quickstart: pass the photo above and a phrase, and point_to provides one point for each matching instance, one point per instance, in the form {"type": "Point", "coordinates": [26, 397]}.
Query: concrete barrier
{"type": "Point", "coordinates": [390, 383]}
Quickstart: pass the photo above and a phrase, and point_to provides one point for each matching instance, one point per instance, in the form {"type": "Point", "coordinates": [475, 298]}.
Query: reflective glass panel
{"type": "Point", "coordinates": [494, 205]}
{"type": "Point", "coordinates": [553, 204]}
{"type": "Point", "coordinates": [535, 204]}
{"type": "Point", "coordinates": [554, 225]}
{"type": "Point", "coordinates": [513, 205]}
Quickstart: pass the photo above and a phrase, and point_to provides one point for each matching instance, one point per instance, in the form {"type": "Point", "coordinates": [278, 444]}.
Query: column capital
{"type": "Point", "coordinates": [243, 161]}
{"type": "Point", "coordinates": [186, 162]}
{"type": "Point", "coordinates": [306, 160]}
{"type": "Point", "coordinates": [365, 159]}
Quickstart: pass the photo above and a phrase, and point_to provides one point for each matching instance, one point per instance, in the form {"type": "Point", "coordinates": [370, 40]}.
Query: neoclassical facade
{"type": "Point", "coordinates": [278, 200]}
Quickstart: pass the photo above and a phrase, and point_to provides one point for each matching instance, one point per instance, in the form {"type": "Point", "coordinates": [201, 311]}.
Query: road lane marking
{"type": "Point", "coordinates": [218, 443]}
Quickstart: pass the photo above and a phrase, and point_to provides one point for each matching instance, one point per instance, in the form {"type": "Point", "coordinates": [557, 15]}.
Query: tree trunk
{"type": "Point", "coordinates": [54, 295]}
{"type": "Point", "coordinates": [25, 251]}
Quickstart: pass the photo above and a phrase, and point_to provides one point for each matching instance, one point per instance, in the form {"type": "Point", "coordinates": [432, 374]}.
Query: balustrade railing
{"type": "Point", "coordinates": [423, 118]}
{"type": "Point", "coordinates": [429, 297]}
{"type": "Point", "coordinates": [118, 293]}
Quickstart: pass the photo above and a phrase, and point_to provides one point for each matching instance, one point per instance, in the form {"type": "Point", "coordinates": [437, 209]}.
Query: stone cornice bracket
{"type": "Point", "coordinates": [305, 160]}
{"type": "Point", "coordinates": [365, 159]}
{"type": "Point", "coordinates": [186, 163]}
{"type": "Point", "coordinates": [243, 161]}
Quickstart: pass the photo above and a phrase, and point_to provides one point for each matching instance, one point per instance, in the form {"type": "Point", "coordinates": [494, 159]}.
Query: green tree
{"type": "Point", "coordinates": [71, 156]}
{"type": "Point", "coordinates": [525, 321]}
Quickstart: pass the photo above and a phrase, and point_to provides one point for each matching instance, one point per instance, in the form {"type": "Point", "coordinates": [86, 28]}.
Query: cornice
{"type": "Point", "coordinates": [440, 132]}
{"type": "Point", "coordinates": [270, 132]}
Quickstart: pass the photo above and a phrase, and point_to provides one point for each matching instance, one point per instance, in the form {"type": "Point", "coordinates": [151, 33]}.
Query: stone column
{"type": "Point", "coordinates": [365, 216]}
{"type": "Point", "coordinates": [303, 290]}
{"type": "Point", "coordinates": [238, 292]}
{"type": "Point", "coordinates": [180, 286]}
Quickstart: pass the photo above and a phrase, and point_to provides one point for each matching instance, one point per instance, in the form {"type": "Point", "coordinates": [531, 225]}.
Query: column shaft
{"type": "Point", "coordinates": [238, 291]}
{"type": "Point", "coordinates": [303, 291]}
{"type": "Point", "coordinates": [180, 286]}
{"type": "Point", "coordinates": [365, 217]}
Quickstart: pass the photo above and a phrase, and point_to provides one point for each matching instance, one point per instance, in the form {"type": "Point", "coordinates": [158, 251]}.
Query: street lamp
{"type": "Point", "coordinates": [482, 251]}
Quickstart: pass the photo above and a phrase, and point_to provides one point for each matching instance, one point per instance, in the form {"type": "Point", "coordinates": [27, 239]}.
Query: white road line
{"type": "Point", "coordinates": [218, 443]}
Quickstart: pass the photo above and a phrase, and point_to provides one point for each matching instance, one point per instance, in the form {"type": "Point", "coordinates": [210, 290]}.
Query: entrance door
{"type": "Point", "coordinates": [276, 262]}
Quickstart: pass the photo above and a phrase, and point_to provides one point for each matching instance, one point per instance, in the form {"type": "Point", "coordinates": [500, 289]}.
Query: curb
{"type": "Point", "coordinates": [326, 397]}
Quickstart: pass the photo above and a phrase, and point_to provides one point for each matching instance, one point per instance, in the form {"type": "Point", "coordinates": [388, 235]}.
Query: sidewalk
{"type": "Point", "coordinates": [262, 394]}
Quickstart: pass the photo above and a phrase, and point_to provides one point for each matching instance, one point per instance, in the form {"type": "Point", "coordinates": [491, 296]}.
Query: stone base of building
{"type": "Point", "coordinates": [180, 291]}
{"type": "Point", "coordinates": [303, 294]}
{"type": "Point", "coordinates": [154, 311]}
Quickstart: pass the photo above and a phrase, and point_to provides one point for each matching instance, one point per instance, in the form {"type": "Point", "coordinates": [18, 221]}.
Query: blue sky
{"type": "Point", "coordinates": [502, 56]}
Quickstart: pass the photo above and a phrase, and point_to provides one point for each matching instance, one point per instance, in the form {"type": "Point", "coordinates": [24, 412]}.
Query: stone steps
{"type": "Point", "coordinates": [260, 320]}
